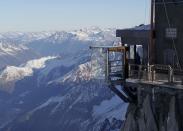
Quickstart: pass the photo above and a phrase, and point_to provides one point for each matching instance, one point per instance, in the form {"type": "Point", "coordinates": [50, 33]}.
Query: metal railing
{"type": "Point", "coordinates": [154, 73]}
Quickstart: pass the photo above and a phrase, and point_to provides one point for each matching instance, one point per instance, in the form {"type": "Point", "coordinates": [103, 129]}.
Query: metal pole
{"type": "Point", "coordinates": [151, 53]}
{"type": "Point", "coordinates": [135, 54]}
{"type": "Point", "coordinates": [107, 65]}
{"type": "Point", "coordinates": [151, 41]}
{"type": "Point", "coordinates": [171, 75]}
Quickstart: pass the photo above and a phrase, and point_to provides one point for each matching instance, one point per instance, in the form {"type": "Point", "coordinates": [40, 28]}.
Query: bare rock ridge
{"type": "Point", "coordinates": [156, 110]}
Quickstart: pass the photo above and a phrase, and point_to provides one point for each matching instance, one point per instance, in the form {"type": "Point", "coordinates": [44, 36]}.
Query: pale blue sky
{"type": "Point", "coordinates": [43, 15]}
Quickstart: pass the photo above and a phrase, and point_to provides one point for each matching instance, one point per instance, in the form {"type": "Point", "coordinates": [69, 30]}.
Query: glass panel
{"type": "Point", "coordinates": [98, 63]}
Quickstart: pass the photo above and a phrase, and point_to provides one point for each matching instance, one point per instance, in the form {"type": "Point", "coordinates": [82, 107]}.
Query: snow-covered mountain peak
{"type": "Point", "coordinates": [82, 73]}
{"type": "Point", "coordinates": [58, 37]}
{"type": "Point", "coordinates": [11, 48]}
{"type": "Point", "coordinates": [12, 74]}
{"type": "Point", "coordinates": [39, 63]}
{"type": "Point", "coordinates": [80, 35]}
{"type": "Point", "coordinates": [24, 37]}
{"type": "Point", "coordinates": [93, 34]}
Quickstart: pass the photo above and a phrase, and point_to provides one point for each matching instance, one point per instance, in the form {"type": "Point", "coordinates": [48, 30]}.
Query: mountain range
{"type": "Point", "coordinates": [46, 82]}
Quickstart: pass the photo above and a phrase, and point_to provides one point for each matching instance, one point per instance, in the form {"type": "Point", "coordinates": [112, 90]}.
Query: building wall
{"type": "Point", "coordinates": [165, 52]}
{"type": "Point", "coordinates": [135, 37]}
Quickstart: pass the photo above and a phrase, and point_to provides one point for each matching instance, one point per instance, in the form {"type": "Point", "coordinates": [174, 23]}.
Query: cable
{"type": "Point", "coordinates": [145, 11]}
{"type": "Point", "coordinates": [168, 20]}
{"type": "Point", "coordinates": [91, 56]}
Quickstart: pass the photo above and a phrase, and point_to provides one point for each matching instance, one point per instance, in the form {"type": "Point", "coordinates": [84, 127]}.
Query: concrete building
{"type": "Point", "coordinates": [168, 34]}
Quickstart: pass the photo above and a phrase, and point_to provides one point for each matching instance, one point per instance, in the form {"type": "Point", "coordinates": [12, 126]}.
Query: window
{"type": "Point", "coordinates": [171, 33]}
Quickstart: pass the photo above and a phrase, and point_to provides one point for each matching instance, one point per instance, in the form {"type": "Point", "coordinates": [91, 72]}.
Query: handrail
{"type": "Point", "coordinates": [150, 72]}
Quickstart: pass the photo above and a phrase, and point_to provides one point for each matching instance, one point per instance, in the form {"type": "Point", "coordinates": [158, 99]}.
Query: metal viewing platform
{"type": "Point", "coordinates": [156, 75]}
{"type": "Point", "coordinates": [149, 55]}
{"type": "Point", "coordinates": [124, 78]}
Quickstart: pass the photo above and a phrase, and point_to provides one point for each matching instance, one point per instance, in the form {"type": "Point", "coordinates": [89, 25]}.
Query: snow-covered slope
{"type": "Point", "coordinates": [11, 74]}
{"type": "Point", "coordinates": [68, 98]}
{"type": "Point", "coordinates": [110, 109]}
{"type": "Point", "coordinates": [73, 41]}
{"type": "Point", "coordinates": [83, 73]}
{"type": "Point", "coordinates": [15, 54]}
{"type": "Point", "coordinates": [23, 37]}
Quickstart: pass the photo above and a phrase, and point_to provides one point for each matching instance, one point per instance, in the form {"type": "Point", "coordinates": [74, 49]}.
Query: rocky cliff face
{"type": "Point", "coordinates": [157, 109]}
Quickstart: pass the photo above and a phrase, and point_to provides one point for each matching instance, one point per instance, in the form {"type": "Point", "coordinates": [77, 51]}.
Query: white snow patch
{"type": "Point", "coordinates": [24, 94]}
{"type": "Point", "coordinates": [11, 74]}
{"type": "Point", "coordinates": [57, 99]}
{"type": "Point", "coordinates": [82, 73]}
{"type": "Point", "coordinates": [75, 102]}
{"type": "Point", "coordinates": [10, 48]}
{"type": "Point", "coordinates": [110, 109]}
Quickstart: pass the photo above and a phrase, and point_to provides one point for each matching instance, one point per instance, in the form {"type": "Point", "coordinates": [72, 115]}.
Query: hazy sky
{"type": "Point", "coordinates": [43, 15]}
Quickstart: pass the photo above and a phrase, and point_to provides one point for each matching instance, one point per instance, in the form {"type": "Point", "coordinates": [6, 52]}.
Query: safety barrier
{"type": "Point", "coordinates": [154, 73]}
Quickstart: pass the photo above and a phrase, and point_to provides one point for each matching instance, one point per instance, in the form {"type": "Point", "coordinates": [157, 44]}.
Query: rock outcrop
{"type": "Point", "coordinates": [156, 110]}
{"type": "Point", "coordinates": [113, 125]}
